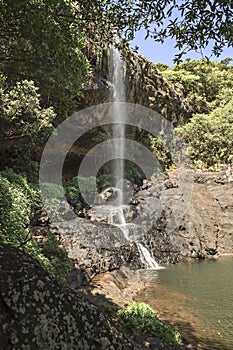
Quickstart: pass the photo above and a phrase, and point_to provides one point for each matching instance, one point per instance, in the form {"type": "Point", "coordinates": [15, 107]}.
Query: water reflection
{"type": "Point", "coordinates": [197, 298]}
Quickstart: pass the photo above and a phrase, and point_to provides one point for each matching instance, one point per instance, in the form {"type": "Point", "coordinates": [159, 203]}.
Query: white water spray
{"type": "Point", "coordinates": [147, 259]}
{"type": "Point", "coordinates": [118, 114]}
{"type": "Point", "coordinates": [117, 216]}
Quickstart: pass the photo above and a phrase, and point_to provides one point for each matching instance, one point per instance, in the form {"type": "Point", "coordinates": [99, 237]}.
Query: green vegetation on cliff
{"type": "Point", "coordinates": [210, 137]}
{"type": "Point", "coordinates": [18, 202]}
{"type": "Point", "coordinates": [209, 86]}
{"type": "Point", "coordinates": [43, 71]}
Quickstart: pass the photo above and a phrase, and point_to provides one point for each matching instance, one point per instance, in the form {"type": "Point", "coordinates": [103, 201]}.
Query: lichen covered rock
{"type": "Point", "coordinates": [37, 312]}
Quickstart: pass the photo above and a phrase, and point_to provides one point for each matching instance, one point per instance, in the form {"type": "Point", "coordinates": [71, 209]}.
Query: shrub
{"type": "Point", "coordinates": [17, 202]}
{"type": "Point", "coordinates": [16, 205]}
{"type": "Point", "coordinates": [74, 194]}
{"type": "Point", "coordinates": [142, 319]}
{"type": "Point", "coordinates": [59, 261]}
{"type": "Point", "coordinates": [15, 212]}
{"type": "Point", "coordinates": [20, 181]}
{"type": "Point", "coordinates": [158, 146]}
{"type": "Point", "coordinates": [204, 82]}
{"type": "Point", "coordinates": [210, 137]}
{"type": "Point", "coordinates": [51, 199]}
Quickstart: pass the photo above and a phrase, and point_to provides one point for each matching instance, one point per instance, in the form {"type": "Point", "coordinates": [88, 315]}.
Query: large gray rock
{"type": "Point", "coordinates": [36, 312]}
{"type": "Point", "coordinates": [191, 219]}
{"type": "Point", "coordinates": [187, 216]}
{"type": "Point", "coordinates": [99, 247]}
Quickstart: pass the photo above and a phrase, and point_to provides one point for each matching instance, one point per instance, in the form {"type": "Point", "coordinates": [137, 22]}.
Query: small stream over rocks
{"type": "Point", "coordinates": [202, 226]}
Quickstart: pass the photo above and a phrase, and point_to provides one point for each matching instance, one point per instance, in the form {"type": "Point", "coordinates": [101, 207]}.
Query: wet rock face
{"type": "Point", "coordinates": [192, 219]}
{"type": "Point", "coordinates": [108, 195]}
{"type": "Point", "coordinates": [188, 216]}
{"type": "Point", "coordinates": [39, 313]}
{"type": "Point", "coordinates": [97, 246]}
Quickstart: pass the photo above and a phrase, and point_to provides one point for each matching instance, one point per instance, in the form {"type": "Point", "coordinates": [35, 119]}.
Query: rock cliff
{"type": "Point", "coordinates": [196, 219]}
{"type": "Point", "coordinates": [144, 86]}
{"type": "Point", "coordinates": [185, 217]}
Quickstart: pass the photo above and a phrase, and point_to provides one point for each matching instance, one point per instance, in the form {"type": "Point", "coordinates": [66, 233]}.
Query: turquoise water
{"type": "Point", "coordinates": [197, 298]}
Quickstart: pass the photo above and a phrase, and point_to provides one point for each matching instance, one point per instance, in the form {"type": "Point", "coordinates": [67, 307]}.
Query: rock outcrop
{"type": "Point", "coordinates": [144, 86]}
{"type": "Point", "coordinates": [187, 216]}
{"type": "Point", "coordinates": [98, 247]}
{"type": "Point", "coordinates": [193, 218]}
{"type": "Point", "coordinates": [37, 312]}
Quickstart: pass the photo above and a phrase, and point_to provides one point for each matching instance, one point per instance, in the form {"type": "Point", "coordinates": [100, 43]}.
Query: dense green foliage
{"type": "Point", "coordinates": [192, 23]}
{"type": "Point", "coordinates": [21, 113]}
{"type": "Point", "coordinates": [209, 88]}
{"type": "Point", "coordinates": [207, 84]}
{"type": "Point", "coordinates": [23, 122]}
{"type": "Point", "coordinates": [17, 204]}
{"type": "Point", "coordinates": [59, 262]}
{"type": "Point", "coordinates": [140, 318]}
{"type": "Point", "coordinates": [43, 69]}
{"type": "Point", "coordinates": [47, 36]}
{"type": "Point", "coordinates": [16, 209]}
{"type": "Point", "coordinates": [158, 147]}
{"type": "Point", "coordinates": [40, 41]}
{"type": "Point", "coordinates": [24, 126]}
{"type": "Point", "coordinates": [210, 137]}
{"type": "Point", "coordinates": [52, 200]}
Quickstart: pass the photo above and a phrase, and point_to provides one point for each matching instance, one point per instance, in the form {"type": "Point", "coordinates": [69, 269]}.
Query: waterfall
{"type": "Point", "coordinates": [118, 115]}
{"type": "Point", "coordinates": [147, 259]}
{"type": "Point", "coordinates": [116, 216]}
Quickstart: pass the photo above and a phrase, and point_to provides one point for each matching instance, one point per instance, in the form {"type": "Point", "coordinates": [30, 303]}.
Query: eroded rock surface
{"type": "Point", "coordinates": [187, 216]}
{"type": "Point", "coordinates": [193, 217]}
{"type": "Point", "coordinates": [97, 246]}
{"type": "Point", "coordinates": [144, 86]}
{"type": "Point", "coordinates": [37, 312]}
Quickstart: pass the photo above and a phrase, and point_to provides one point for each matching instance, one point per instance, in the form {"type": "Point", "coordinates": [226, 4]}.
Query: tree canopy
{"type": "Point", "coordinates": [43, 40]}
{"type": "Point", "coordinates": [194, 24]}
{"type": "Point", "coordinates": [209, 87]}
{"type": "Point", "coordinates": [40, 41]}
{"type": "Point", "coordinates": [207, 83]}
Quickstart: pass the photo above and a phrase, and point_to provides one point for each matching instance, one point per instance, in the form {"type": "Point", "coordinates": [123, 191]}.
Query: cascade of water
{"type": "Point", "coordinates": [116, 217]}
{"type": "Point", "coordinates": [117, 74]}
{"type": "Point", "coordinates": [118, 115]}
{"type": "Point", "coordinates": [123, 225]}
{"type": "Point", "coordinates": [147, 259]}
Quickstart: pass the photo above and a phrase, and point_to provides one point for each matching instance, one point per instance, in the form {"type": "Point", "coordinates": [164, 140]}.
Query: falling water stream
{"type": "Point", "coordinates": [199, 295]}
{"type": "Point", "coordinates": [118, 114]}
{"type": "Point", "coordinates": [147, 258]}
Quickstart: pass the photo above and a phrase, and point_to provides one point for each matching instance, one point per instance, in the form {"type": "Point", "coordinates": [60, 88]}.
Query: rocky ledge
{"type": "Point", "coordinates": [37, 312]}
{"type": "Point", "coordinates": [185, 217]}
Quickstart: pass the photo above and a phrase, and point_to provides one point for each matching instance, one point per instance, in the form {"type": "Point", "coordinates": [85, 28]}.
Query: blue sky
{"type": "Point", "coordinates": [165, 52]}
